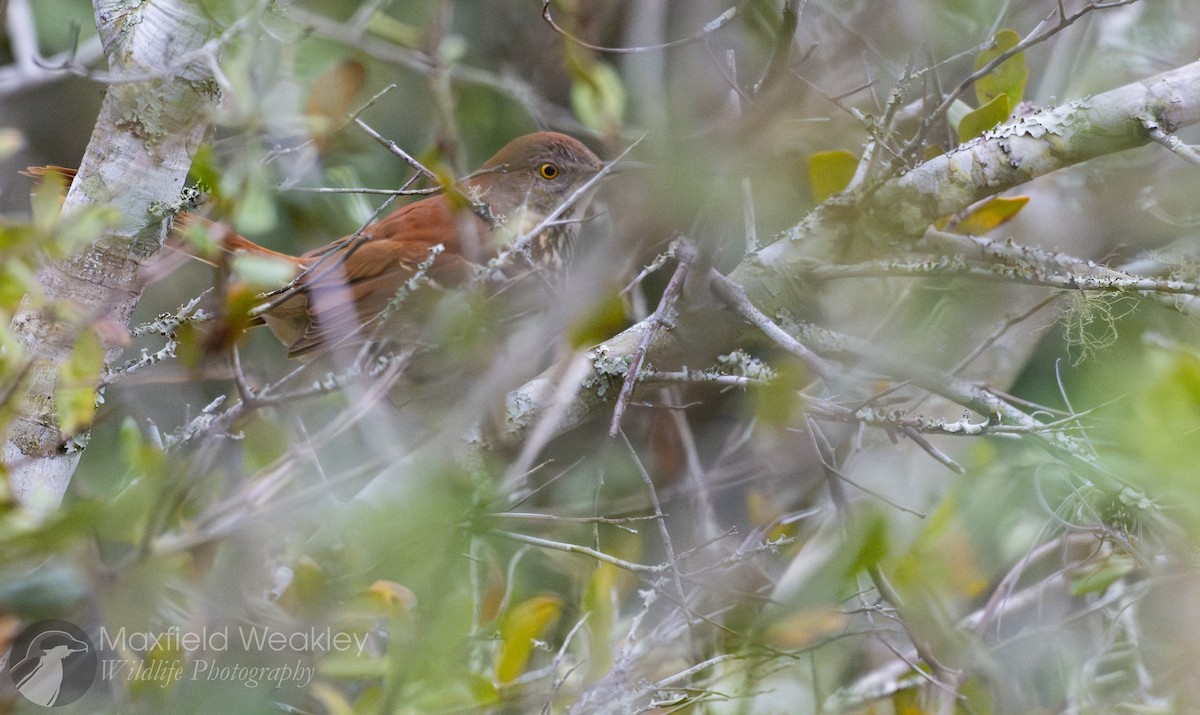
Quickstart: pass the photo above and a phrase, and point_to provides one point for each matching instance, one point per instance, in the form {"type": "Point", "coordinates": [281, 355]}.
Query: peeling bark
{"type": "Point", "coordinates": [152, 120]}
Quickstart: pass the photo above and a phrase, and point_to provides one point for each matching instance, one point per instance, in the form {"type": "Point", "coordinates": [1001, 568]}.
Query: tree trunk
{"type": "Point", "coordinates": [154, 115]}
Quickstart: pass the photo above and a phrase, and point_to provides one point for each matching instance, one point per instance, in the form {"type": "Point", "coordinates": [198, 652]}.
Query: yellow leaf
{"type": "Point", "coordinates": [763, 510]}
{"type": "Point", "coordinates": [943, 557]}
{"type": "Point", "coordinates": [830, 172]}
{"type": "Point", "coordinates": [906, 701]}
{"type": "Point", "coordinates": [1008, 78]}
{"type": "Point", "coordinates": [759, 509]}
{"type": "Point", "coordinates": [164, 658]}
{"type": "Point", "coordinates": [391, 598]}
{"type": "Point", "coordinates": [984, 118]}
{"type": "Point", "coordinates": [525, 622]}
{"type": "Point", "coordinates": [990, 215]}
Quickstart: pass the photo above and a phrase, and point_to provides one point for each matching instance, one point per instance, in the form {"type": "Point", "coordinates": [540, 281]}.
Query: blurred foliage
{"type": "Point", "coordinates": [808, 570]}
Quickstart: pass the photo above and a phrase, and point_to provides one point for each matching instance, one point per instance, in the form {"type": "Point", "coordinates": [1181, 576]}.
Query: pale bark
{"type": "Point", "coordinates": [899, 211]}
{"type": "Point", "coordinates": [153, 118]}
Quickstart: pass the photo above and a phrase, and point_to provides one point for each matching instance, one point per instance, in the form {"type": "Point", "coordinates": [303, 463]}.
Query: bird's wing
{"type": "Point", "coordinates": [353, 280]}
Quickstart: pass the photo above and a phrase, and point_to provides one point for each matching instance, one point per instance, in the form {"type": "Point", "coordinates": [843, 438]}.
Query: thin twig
{"type": "Point", "coordinates": [735, 297]}
{"type": "Point", "coordinates": [568, 385]}
{"type": "Point", "coordinates": [937, 454]}
{"type": "Point", "coordinates": [1187, 152]}
{"type": "Point", "coordinates": [1000, 331]}
{"type": "Point", "coordinates": [784, 38]}
{"type": "Point", "coordinates": [395, 149]}
{"type": "Point", "coordinates": [585, 550]}
{"type": "Point", "coordinates": [661, 519]}
{"type": "Point", "coordinates": [662, 317]}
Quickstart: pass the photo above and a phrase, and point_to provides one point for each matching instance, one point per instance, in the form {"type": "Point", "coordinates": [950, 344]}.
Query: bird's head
{"type": "Point", "coordinates": [536, 172]}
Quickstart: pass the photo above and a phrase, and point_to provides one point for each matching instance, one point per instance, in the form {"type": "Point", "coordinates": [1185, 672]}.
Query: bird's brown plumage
{"type": "Point", "coordinates": [348, 282]}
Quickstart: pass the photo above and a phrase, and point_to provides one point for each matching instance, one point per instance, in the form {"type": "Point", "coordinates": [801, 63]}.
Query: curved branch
{"type": "Point", "coordinates": [1007, 156]}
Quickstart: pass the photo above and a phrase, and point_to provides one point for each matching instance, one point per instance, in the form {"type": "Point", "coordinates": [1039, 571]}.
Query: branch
{"type": "Point", "coordinates": [1017, 151]}
{"type": "Point", "coordinates": [1007, 156]}
{"type": "Point", "coordinates": [662, 318]}
{"type": "Point", "coordinates": [721, 21]}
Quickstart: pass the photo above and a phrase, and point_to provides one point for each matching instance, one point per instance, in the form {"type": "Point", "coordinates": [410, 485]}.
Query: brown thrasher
{"type": "Point", "coordinates": [340, 287]}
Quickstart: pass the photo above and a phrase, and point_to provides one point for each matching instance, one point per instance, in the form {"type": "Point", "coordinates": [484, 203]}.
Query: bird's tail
{"type": "Point", "coordinates": [225, 238]}
{"type": "Point", "coordinates": [39, 172]}
{"type": "Point", "coordinates": [215, 244]}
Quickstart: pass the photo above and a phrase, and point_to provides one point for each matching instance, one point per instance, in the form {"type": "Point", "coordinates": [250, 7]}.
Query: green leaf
{"type": "Point", "coordinates": [126, 511]}
{"type": "Point", "coordinates": [779, 403]}
{"type": "Point", "coordinates": [263, 272]}
{"type": "Point", "coordinates": [598, 98]}
{"type": "Point", "coordinates": [871, 528]}
{"type": "Point", "coordinates": [1008, 78]}
{"type": "Point", "coordinates": [984, 118]}
{"type": "Point", "coordinates": [353, 667]}
{"type": "Point", "coordinates": [357, 209]}
{"type": "Point", "coordinates": [87, 225]}
{"type": "Point", "coordinates": [958, 109]}
{"type": "Point", "coordinates": [47, 592]}
{"type": "Point", "coordinates": [333, 701]}
{"type": "Point", "coordinates": [1098, 576]}
{"type": "Point", "coordinates": [75, 389]}
{"type": "Point", "coordinates": [604, 320]}
{"type": "Point", "coordinates": [204, 169]}
{"type": "Point", "coordinates": [142, 455]}
{"type": "Point", "coordinates": [16, 279]}
{"type": "Point", "coordinates": [599, 601]}
{"type": "Point", "coordinates": [256, 209]}
{"type": "Point", "coordinates": [389, 28]}
{"type": "Point", "coordinates": [830, 172]}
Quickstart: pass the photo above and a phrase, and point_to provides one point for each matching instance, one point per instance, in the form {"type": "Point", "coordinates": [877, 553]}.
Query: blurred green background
{"type": "Point", "coordinates": [353, 514]}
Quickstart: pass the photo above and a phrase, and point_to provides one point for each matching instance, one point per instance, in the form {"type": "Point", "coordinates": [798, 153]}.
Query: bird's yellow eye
{"type": "Point", "coordinates": [548, 171]}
